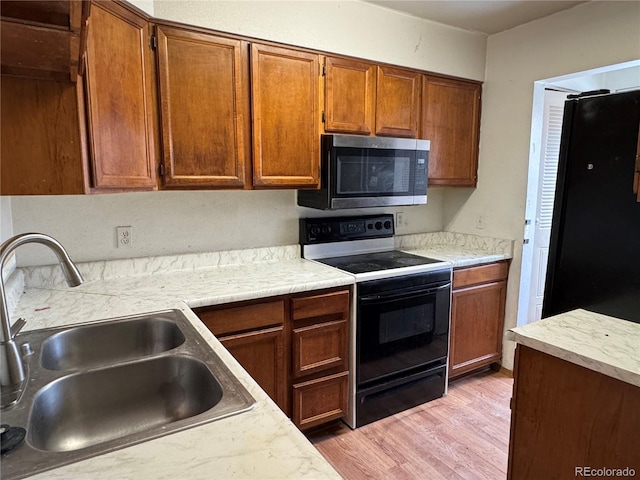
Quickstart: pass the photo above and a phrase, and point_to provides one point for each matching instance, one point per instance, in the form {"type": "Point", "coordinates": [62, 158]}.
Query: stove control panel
{"type": "Point", "coordinates": [339, 229]}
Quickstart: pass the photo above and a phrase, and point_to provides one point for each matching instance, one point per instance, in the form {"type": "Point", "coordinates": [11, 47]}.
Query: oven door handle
{"type": "Point", "coordinates": [404, 295]}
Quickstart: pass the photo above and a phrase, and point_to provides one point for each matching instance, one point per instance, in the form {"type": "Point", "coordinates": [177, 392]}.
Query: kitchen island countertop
{"type": "Point", "coordinates": [598, 342]}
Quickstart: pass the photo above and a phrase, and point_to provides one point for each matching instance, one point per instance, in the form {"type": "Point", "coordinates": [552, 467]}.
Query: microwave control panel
{"type": "Point", "coordinates": [338, 229]}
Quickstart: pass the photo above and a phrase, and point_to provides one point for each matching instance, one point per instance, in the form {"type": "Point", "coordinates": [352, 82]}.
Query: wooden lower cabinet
{"type": "Point", "coordinates": [565, 416]}
{"type": "Point", "coordinates": [321, 400]}
{"type": "Point", "coordinates": [295, 347]}
{"type": "Point", "coordinates": [477, 317]}
{"type": "Point", "coordinates": [319, 347]}
{"type": "Point", "coordinates": [261, 353]}
{"type": "Point", "coordinates": [320, 357]}
{"type": "Point", "coordinates": [254, 334]}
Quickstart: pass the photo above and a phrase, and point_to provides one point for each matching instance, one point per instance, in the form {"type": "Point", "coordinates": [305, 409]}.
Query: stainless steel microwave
{"type": "Point", "coordinates": [359, 172]}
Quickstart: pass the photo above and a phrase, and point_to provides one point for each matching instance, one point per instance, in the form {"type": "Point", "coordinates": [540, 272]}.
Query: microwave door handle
{"type": "Point", "coordinates": [403, 295]}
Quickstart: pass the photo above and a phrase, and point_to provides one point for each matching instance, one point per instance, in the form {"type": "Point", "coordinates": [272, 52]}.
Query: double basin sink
{"type": "Point", "coordinates": [98, 387]}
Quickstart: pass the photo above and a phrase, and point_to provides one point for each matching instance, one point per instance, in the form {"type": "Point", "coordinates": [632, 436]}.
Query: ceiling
{"type": "Point", "coordinates": [487, 17]}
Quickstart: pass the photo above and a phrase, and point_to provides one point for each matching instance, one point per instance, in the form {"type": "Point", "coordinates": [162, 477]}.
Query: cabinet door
{"type": "Point", "coordinates": [204, 101]}
{"type": "Point", "coordinates": [261, 354]}
{"type": "Point", "coordinates": [477, 316]}
{"type": "Point", "coordinates": [451, 120]}
{"type": "Point", "coordinates": [350, 98]}
{"type": "Point", "coordinates": [285, 108]}
{"type": "Point", "coordinates": [120, 99]}
{"type": "Point", "coordinates": [397, 102]}
{"type": "Point", "coordinates": [572, 417]}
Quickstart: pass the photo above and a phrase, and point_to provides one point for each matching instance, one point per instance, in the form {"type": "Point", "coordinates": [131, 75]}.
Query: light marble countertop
{"type": "Point", "coordinates": [461, 250]}
{"type": "Point", "coordinates": [59, 304]}
{"type": "Point", "coordinates": [261, 443]}
{"type": "Point", "coordinates": [598, 342]}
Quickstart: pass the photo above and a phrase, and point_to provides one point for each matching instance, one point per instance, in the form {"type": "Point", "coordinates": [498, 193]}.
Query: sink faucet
{"type": "Point", "coordinates": [12, 369]}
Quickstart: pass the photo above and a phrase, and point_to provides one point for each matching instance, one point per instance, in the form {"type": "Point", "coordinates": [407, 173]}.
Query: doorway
{"type": "Point", "coordinates": [548, 100]}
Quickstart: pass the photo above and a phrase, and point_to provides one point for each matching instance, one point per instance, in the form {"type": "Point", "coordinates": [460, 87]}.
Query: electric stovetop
{"type": "Point", "coordinates": [374, 262]}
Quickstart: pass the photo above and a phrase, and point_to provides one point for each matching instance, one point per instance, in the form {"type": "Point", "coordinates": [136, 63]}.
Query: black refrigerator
{"type": "Point", "coordinates": [594, 251]}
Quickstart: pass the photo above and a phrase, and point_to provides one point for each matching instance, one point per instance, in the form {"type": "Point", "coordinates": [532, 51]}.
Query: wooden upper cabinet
{"type": "Point", "coordinates": [286, 125]}
{"type": "Point", "coordinates": [451, 120]}
{"type": "Point", "coordinates": [397, 102]}
{"type": "Point", "coordinates": [204, 102]}
{"type": "Point", "coordinates": [40, 138]}
{"type": "Point", "coordinates": [350, 96]}
{"type": "Point", "coordinates": [120, 99]}
{"type": "Point", "coordinates": [43, 39]}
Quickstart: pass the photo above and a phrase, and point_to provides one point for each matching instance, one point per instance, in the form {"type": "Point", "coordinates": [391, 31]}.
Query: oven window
{"type": "Point", "coordinates": [400, 330]}
{"type": "Point", "coordinates": [406, 323]}
{"type": "Point", "coordinates": [357, 175]}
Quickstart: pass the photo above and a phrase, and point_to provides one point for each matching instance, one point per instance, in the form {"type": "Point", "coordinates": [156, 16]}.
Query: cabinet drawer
{"type": "Point", "coordinates": [319, 401]}
{"type": "Point", "coordinates": [320, 347]}
{"type": "Point", "coordinates": [335, 304]}
{"type": "Point", "coordinates": [241, 318]}
{"type": "Point", "coordinates": [480, 274]}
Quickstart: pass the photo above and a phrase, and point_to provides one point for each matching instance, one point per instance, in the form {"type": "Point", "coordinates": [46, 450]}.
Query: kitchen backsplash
{"type": "Point", "coordinates": [51, 275]}
{"type": "Point", "coordinates": [467, 241]}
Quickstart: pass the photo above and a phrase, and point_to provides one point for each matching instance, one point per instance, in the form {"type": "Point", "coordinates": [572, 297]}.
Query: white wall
{"type": "Point", "coordinates": [590, 35]}
{"type": "Point", "coordinates": [348, 27]}
{"type": "Point", "coordinates": [145, 5]}
{"type": "Point", "coordinates": [617, 80]}
{"type": "Point", "coordinates": [6, 221]}
{"type": "Point", "coordinates": [173, 222]}
{"type": "Point", "coordinates": [178, 222]}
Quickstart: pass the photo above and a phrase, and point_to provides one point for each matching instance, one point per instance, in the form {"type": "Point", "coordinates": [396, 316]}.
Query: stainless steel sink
{"type": "Point", "coordinates": [89, 408]}
{"type": "Point", "coordinates": [82, 401]}
{"type": "Point", "coordinates": [94, 345]}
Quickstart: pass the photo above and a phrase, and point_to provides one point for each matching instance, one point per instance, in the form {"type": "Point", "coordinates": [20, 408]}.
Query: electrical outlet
{"type": "Point", "coordinates": [481, 222]}
{"type": "Point", "coordinates": [400, 220]}
{"type": "Point", "coordinates": [124, 237]}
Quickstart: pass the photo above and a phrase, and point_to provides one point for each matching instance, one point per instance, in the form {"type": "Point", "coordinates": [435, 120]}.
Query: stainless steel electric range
{"type": "Point", "coordinates": [401, 314]}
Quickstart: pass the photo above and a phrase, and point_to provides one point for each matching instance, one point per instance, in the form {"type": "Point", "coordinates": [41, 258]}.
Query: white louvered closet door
{"type": "Point", "coordinates": [551, 133]}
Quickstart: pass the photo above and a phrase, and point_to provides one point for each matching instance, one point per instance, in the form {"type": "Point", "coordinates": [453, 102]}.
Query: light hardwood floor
{"type": "Point", "coordinates": [464, 435]}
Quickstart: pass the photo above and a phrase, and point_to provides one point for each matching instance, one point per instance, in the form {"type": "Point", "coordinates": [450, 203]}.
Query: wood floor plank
{"type": "Point", "coordinates": [463, 436]}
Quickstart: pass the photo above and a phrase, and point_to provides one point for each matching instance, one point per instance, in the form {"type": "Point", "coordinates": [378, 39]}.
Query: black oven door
{"type": "Point", "coordinates": [403, 325]}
